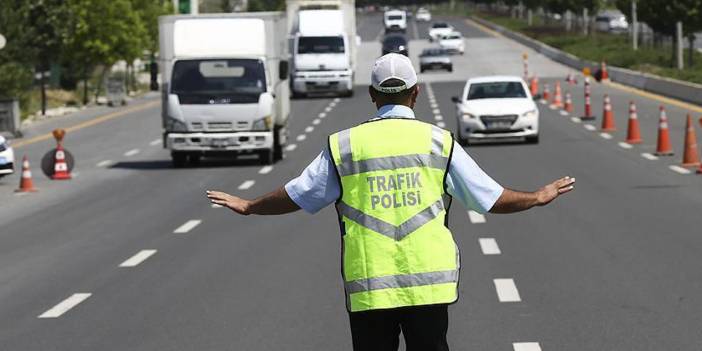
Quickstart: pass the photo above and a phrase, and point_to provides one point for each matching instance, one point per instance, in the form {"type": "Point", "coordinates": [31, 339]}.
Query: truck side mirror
{"type": "Point", "coordinates": [283, 70]}
{"type": "Point", "coordinates": [455, 99]}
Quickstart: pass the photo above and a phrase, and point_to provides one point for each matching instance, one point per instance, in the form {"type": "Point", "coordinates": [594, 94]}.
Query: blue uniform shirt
{"type": "Point", "coordinates": [318, 185]}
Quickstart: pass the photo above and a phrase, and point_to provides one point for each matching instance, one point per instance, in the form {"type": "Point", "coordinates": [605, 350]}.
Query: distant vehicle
{"type": "Point", "coordinates": [453, 43]}
{"type": "Point", "coordinates": [423, 15]}
{"type": "Point", "coordinates": [116, 92]}
{"type": "Point", "coordinates": [395, 21]}
{"type": "Point", "coordinates": [496, 108]}
{"type": "Point", "coordinates": [7, 158]}
{"type": "Point", "coordinates": [224, 97]}
{"type": "Point", "coordinates": [396, 43]}
{"type": "Point", "coordinates": [435, 58]}
{"type": "Point", "coordinates": [438, 30]}
{"type": "Point", "coordinates": [613, 22]}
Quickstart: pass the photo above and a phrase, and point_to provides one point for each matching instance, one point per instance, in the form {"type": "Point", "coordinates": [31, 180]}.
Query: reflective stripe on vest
{"type": "Point", "coordinates": [374, 273]}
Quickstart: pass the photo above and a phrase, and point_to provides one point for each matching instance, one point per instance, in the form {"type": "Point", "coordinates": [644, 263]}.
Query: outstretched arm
{"type": "Point", "coordinates": [514, 201]}
{"type": "Point", "coordinates": [274, 203]}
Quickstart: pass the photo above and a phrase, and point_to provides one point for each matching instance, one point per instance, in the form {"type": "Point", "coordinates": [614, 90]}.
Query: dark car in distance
{"type": "Point", "coordinates": [435, 58]}
{"type": "Point", "coordinates": [396, 43]}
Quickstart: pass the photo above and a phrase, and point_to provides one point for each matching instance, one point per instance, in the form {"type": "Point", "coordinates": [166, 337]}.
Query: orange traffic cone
{"type": "Point", "coordinates": [568, 107]}
{"type": "Point", "coordinates": [547, 93]}
{"type": "Point", "coordinates": [608, 116]}
{"type": "Point", "coordinates": [604, 75]}
{"type": "Point", "coordinates": [690, 156]}
{"type": "Point", "coordinates": [570, 79]}
{"type": "Point", "coordinates": [26, 183]}
{"type": "Point", "coordinates": [60, 165]}
{"type": "Point", "coordinates": [557, 97]}
{"type": "Point", "coordinates": [534, 86]}
{"type": "Point", "coordinates": [663, 147]}
{"type": "Point", "coordinates": [633, 133]}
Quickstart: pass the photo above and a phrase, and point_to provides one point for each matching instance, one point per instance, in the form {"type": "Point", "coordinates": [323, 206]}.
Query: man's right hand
{"type": "Point", "coordinates": [236, 204]}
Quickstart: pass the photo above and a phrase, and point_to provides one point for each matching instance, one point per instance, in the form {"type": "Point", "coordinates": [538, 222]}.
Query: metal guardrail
{"type": "Point", "coordinates": [677, 89]}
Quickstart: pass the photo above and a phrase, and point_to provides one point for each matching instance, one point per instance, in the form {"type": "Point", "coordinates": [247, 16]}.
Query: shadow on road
{"type": "Point", "coordinates": [154, 165]}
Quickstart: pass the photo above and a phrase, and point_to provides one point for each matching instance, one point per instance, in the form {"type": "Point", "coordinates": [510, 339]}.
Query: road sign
{"type": "Point", "coordinates": [2, 42]}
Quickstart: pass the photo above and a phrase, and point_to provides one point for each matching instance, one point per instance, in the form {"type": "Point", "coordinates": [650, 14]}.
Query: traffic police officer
{"type": "Point", "coordinates": [392, 178]}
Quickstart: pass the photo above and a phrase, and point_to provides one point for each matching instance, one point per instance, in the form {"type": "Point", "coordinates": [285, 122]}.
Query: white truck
{"type": "Point", "coordinates": [224, 91]}
{"type": "Point", "coordinates": [395, 20]}
{"type": "Point", "coordinates": [324, 46]}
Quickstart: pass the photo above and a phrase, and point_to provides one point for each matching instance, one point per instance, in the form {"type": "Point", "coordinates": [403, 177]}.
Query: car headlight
{"type": "Point", "coordinates": [468, 116]}
{"type": "Point", "coordinates": [174, 125]}
{"type": "Point", "coordinates": [530, 114]}
{"type": "Point", "coordinates": [265, 123]}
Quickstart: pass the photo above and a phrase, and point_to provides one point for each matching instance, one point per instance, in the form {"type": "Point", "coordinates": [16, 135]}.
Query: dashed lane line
{"type": "Point", "coordinates": [438, 117]}
{"type": "Point", "coordinates": [337, 100]}
{"type": "Point", "coordinates": [155, 142]}
{"type": "Point", "coordinates": [187, 226]}
{"type": "Point", "coordinates": [65, 305]}
{"type": "Point", "coordinates": [140, 257]}
{"type": "Point", "coordinates": [327, 109]}
{"type": "Point", "coordinates": [105, 163]}
{"type": "Point", "coordinates": [436, 111]}
{"type": "Point", "coordinates": [301, 137]}
{"type": "Point", "coordinates": [322, 115]}
{"type": "Point", "coordinates": [476, 217]}
{"type": "Point", "coordinates": [564, 113]}
{"type": "Point", "coordinates": [506, 290]}
{"type": "Point", "coordinates": [606, 136]}
{"type": "Point", "coordinates": [489, 246]}
{"type": "Point", "coordinates": [576, 120]}
{"type": "Point", "coordinates": [309, 129]}
{"type": "Point", "coordinates": [649, 156]}
{"type": "Point", "coordinates": [625, 145]}
{"type": "Point", "coordinates": [265, 169]}
{"type": "Point", "coordinates": [247, 184]}
{"type": "Point", "coordinates": [526, 346]}
{"type": "Point", "coordinates": [291, 147]}
{"type": "Point", "coordinates": [316, 121]}
{"type": "Point", "coordinates": [132, 152]}
{"type": "Point", "coordinates": [678, 169]}
{"type": "Point", "coordinates": [441, 124]}
{"type": "Point", "coordinates": [590, 127]}
{"type": "Point", "coordinates": [433, 105]}
{"type": "Point", "coordinates": [216, 206]}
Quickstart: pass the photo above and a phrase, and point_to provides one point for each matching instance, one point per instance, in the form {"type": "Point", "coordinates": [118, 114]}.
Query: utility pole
{"type": "Point", "coordinates": [635, 28]}
{"type": "Point", "coordinates": [586, 20]}
{"type": "Point", "coordinates": [679, 44]}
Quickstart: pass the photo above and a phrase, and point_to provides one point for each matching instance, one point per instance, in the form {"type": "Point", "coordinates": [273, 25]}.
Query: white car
{"type": "Point", "coordinates": [452, 43]}
{"type": "Point", "coordinates": [438, 30]}
{"type": "Point", "coordinates": [395, 20]}
{"type": "Point", "coordinates": [496, 108]}
{"type": "Point", "coordinates": [7, 158]}
{"type": "Point", "coordinates": [423, 15]}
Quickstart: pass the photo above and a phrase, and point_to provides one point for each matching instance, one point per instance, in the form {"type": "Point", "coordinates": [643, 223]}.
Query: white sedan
{"type": "Point", "coordinates": [7, 158]}
{"type": "Point", "coordinates": [423, 15]}
{"type": "Point", "coordinates": [438, 30]}
{"type": "Point", "coordinates": [496, 108]}
{"type": "Point", "coordinates": [453, 43]}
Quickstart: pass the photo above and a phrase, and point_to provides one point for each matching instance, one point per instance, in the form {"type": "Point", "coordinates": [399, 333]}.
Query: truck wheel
{"type": "Point", "coordinates": [348, 93]}
{"type": "Point", "coordinates": [278, 152]}
{"type": "Point", "coordinates": [194, 159]}
{"type": "Point", "coordinates": [179, 159]}
{"type": "Point", "coordinates": [266, 157]}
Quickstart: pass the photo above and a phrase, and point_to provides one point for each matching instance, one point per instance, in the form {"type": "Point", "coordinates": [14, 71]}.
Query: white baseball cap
{"type": "Point", "coordinates": [396, 67]}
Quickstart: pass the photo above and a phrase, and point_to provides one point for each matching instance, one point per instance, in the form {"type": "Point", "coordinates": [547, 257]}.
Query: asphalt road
{"type": "Point", "coordinates": [612, 266]}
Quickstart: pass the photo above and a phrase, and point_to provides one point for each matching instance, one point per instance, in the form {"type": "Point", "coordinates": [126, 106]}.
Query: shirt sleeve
{"type": "Point", "coordinates": [317, 186]}
{"type": "Point", "coordinates": [470, 184]}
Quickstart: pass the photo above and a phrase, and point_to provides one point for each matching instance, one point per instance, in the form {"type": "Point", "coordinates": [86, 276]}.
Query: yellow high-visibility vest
{"type": "Point", "coordinates": [397, 250]}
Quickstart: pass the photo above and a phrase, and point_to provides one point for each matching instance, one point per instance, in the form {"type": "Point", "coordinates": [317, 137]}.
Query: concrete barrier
{"type": "Point", "coordinates": [677, 89]}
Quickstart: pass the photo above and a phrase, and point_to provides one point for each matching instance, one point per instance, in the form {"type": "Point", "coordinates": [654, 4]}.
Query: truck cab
{"type": "Point", "coordinates": [395, 21]}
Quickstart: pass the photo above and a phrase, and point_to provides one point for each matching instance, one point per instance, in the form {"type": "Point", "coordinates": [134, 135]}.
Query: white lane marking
{"type": "Point", "coordinates": [265, 170]}
{"type": "Point", "coordinates": [506, 290]}
{"type": "Point", "coordinates": [441, 124]}
{"type": "Point", "coordinates": [436, 111]}
{"type": "Point", "coordinates": [553, 107]}
{"type": "Point", "coordinates": [155, 142]}
{"type": "Point", "coordinates": [65, 305]}
{"type": "Point", "coordinates": [332, 104]}
{"type": "Point", "coordinates": [247, 184]}
{"type": "Point", "coordinates": [216, 206]}
{"type": "Point", "coordinates": [438, 117]}
{"type": "Point", "coordinates": [290, 147]}
{"type": "Point", "coordinates": [489, 246]}
{"type": "Point", "coordinates": [624, 145]}
{"type": "Point", "coordinates": [648, 156]}
{"type": "Point", "coordinates": [327, 109]}
{"type": "Point", "coordinates": [187, 226]}
{"type": "Point", "coordinates": [433, 104]}
{"type": "Point", "coordinates": [105, 163]}
{"type": "Point", "coordinates": [309, 129]}
{"type": "Point", "coordinates": [589, 127]}
{"type": "Point", "coordinates": [543, 102]}
{"type": "Point", "coordinates": [322, 115]}
{"type": "Point", "coordinates": [679, 169]}
{"type": "Point", "coordinates": [526, 346]}
{"type": "Point", "coordinates": [476, 217]}
{"type": "Point", "coordinates": [132, 152]}
{"type": "Point", "coordinates": [564, 113]}
{"type": "Point", "coordinates": [301, 137]}
{"type": "Point", "coordinates": [606, 136]}
{"type": "Point", "coordinates": [337, 100]}
{"type": "Point", "coordinates": [316, 121]}
{"type": "Point", "coordinates": [140, 257]}
{"type": "Point", "coordinates": [576, 120]}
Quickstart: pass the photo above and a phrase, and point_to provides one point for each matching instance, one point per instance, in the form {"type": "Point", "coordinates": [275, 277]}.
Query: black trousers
{"type": "Point", "coordinates": [424, 328]}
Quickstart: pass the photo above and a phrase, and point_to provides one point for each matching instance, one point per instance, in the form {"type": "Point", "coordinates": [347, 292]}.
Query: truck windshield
{"type": "Point", "coordinates": [219, 81]}
{"type": "Point", "coordinates": [320, 45]}
{"type": "Point", "coordinates": [395, 17]}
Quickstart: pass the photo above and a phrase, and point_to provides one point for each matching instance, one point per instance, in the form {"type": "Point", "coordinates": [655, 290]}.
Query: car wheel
{"type": "Point", "coordinates": [421, 70]}
{"type": "Point", "coordinates": [194, 159]}
{"type": "Point", "coordinates": [450, 69]}
{"type": "Point", "coordinates": [534, 139]}
{"type": "Point", "coordinates": [179, 159]}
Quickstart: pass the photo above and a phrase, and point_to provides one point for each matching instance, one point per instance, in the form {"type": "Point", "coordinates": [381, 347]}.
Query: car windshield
{"type": "Point", "coordinates": [320, 45]}
{"type": "Point", "coordinates": [496, 90]}
{"type": "Point", "coordinates": [452, 37]}
{"type": "Point", "coordinates": [394, 17]}
{"type": "Point", "coordinates": [439, 25]}
{"type": "Point", "coordinates": [233, 80]}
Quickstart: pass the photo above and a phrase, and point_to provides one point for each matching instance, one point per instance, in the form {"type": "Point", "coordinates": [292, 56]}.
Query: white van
{"type": "Point", "coordinates": [395, 20]}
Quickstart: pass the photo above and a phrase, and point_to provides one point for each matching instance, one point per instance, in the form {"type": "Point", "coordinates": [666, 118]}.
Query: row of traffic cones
{"type": "Point", "coordinates": [61, 171]}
